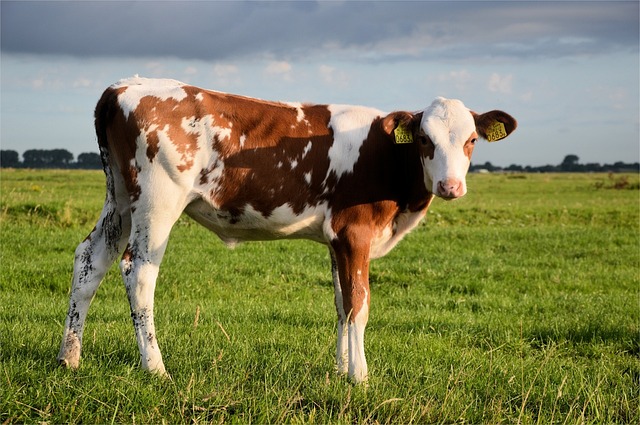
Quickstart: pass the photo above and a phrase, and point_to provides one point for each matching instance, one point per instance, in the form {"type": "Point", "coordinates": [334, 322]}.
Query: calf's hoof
{"type": "Point", "coordinates": [68, 364]}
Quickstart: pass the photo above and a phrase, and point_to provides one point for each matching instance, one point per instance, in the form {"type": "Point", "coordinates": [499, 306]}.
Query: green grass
{"type": "Point", "coordinates": [516, 304]}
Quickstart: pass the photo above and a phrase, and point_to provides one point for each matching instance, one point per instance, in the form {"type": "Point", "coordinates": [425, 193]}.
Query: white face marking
{"type": "Point", "coordinates": [351, 125]}
{"type": "Point", "coordinates": [449, 124]}
{"type": "Point", "coordinates": [243, 138]}
{"type": "Point", "coordinates": [137, 88]}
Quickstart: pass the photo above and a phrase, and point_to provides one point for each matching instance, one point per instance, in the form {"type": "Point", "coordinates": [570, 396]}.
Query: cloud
{"type": "Point", "coordinates": [225, 70]}
{"type": "Point", "coordinates": [332, 76]}
{"type": "Point", "coordinates": [37, 83]}
{"type": "Point", "coordinates": [190, 70]}
{"type": "Point", "coordinates": [279, 68]}
{"type": "Point", "coordinates": [155, 68]}
{"type": "Point", "coordinates": [458, 78]}
{"type": "Point", "coordinates": [527, 96]}
{"type": "Point", "coordinates": [378, 31]}
{"type": "Point", "coordinates": [327, 72]}
{"type": "Point", "coordinates": [500, 83]}
{"type": "Point", "coordinates": [82, 82]}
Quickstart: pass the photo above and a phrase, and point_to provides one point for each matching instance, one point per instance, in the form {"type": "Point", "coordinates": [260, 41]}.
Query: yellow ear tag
{"type": "Point", "coordinates": [402, 135]}
{"type": "Point", "coordinates": [496, 132]}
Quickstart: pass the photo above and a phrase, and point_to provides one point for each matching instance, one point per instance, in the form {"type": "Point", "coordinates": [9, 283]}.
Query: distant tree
{"type": "Point", "coordinates": [33, 158]}
{"type": "Point", "coordinates": [89, 160]}
{"type": "Point", "coordinates": [47, 158]}
{"type": "Point", "coordinates": [570, 163]}
{"type": "Point", "coordinates": [486, 166]}
{"type": "Point", "coordinates": [548, 169]}
{"type": "Point", "coordinates": [9, 158]}
{"type": "Point", "coordinates": [593, 167]}
{"type": "Point", "coordinates": [514, 167]}
{"type": "Point", "coordinates": [62, 157]}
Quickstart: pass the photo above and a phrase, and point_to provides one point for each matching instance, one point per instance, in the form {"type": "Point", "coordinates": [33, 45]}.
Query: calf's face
{"type": "Point", "coordinates": [448, 132]}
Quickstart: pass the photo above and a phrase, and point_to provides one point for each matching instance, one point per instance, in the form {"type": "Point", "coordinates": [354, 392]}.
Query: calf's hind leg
{"type": "Point", "coordinates": [140, 266]}
{"type": "Point", "coordinates": [93, 257]}
{"type": "Point", "coordinates": [342, 348]}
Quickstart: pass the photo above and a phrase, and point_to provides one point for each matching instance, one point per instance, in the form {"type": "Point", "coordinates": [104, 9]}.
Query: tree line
{"type": "Point", "coordinates": [570, 164]}
{"type": "Point", "coordinates": [49, 158]}
{"type": "Point", "coordinates": [62, 158]}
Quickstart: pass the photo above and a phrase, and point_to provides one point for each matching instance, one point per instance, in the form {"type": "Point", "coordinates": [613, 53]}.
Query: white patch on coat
{"type": "Point", "coordinates": [252, 225]}
{"type": "Point", "coordinates": [351, 125]}
{"type": "Point", "coordinates": [357, 361]}
{"type": "Point", "coordinates": [300, 113]}
{"type": "Point", "coordinates": [327, 227]}
{"type": "Point", "coordinates": [387, 238]}
{"type": "Point", "coordinates": [306, 150]}
{"type": "Point", "coordinates": [138, 87]}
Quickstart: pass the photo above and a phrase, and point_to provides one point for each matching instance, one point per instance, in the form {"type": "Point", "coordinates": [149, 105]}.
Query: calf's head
{"type": "Point", "coordinates": [446, 133]}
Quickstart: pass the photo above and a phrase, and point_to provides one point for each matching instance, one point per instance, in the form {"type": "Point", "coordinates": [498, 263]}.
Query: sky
{"type": "Point", "coordinates": [567, 71]}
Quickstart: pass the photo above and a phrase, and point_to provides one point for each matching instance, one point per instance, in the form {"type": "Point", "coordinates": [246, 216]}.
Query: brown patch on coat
{"type": "Point", "coordinates": [280, 161]}
{"type": "Point", "coordinates": [152, 145]}
{"type": "Point", "coordinates": [154, 115]}
{"type": "Point", "coordinates": [469, 145]}
{"type": "Point", "coordinates": [117, 135]}
{"type": "Point", "coordinates": [428, 147]}
{"type": "Point", "coordinates": [351, 249]}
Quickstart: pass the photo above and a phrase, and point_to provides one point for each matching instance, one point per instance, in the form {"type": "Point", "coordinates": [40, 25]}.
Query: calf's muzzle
{"type": "Point", "coordinates": [450, 188]}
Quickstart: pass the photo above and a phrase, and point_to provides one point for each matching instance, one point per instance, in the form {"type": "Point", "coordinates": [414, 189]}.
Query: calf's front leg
{"type": "Point", "coordinates": [352, 303]}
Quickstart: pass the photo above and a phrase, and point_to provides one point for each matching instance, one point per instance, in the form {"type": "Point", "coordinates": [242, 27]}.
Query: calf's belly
{"type": "Point", "coordinates": [252, 225]}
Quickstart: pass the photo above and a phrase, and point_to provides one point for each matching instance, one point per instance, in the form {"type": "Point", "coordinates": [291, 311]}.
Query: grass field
{"type": "Point", "coordinates": [516, 304]}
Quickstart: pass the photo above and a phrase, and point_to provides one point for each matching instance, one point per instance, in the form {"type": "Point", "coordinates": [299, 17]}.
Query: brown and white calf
{"type": "Point", "coordinates": [353, 178]}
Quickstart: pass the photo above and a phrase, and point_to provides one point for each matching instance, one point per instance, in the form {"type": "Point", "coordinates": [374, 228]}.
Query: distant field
{"type": "Point", "coordinates": [517, 304]}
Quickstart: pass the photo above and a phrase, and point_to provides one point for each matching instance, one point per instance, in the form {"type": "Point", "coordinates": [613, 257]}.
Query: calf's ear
{"type": "Point", "coordinates": [494, 125]}
{"type": "Point", "coordinates": [402, 125]}
{"type": "Point", "coordinates": [396, 119]}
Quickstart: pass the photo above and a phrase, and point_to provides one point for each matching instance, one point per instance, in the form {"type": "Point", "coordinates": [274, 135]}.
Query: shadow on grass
{"type": "Point", "coordinates": [589, 334]}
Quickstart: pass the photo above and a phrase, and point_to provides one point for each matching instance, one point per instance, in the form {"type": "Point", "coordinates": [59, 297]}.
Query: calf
{"type": "Point", "coordinates": [353, 178]}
